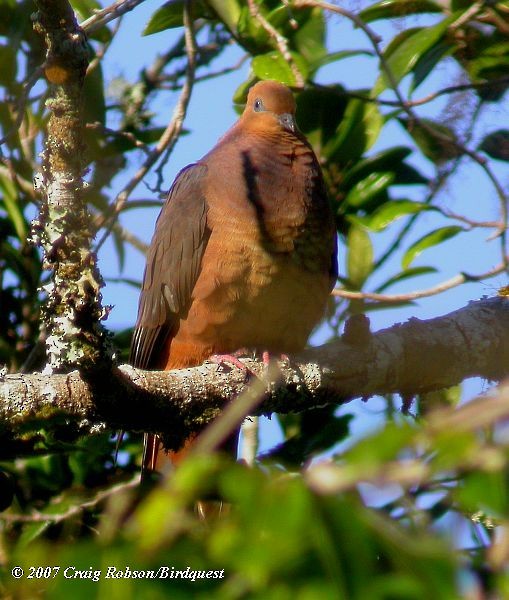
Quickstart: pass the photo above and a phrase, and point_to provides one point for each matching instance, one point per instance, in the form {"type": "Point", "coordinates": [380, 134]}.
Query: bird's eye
{"type": "Point", "coordinates": [258, 105]}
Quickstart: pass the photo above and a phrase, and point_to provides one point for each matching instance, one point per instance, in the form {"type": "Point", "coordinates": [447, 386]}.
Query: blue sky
{"type": "Point", "coordinates": [211, 113]}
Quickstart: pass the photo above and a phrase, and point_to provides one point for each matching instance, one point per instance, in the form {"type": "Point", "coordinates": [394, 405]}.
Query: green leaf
{"type": "Point", "coordinates": [436, 141]}
{"type": "Point", "coordinates": [359, 261]}
{"type": "Point", "coordinates": [251, 34]}
{"type": "Point", "coordinates": [274, 66]}
{"type": "Point", "coordinates": [429, 60]}
{"type": "Point", "coordinates": [168, 16]}
{"type": "Point", "coordinates": [335, 56]}
{"type": "Point", "coordinates": [357, 132]}
{"type": "Point", "coordinates": [171, 15]}
{"type": "Point", "coordinates": [319, 113]}
{"type": "Point", "coordinates": [227, 11]}
{"type": "Point", "coordinates": [118, 241]}
{"type": "Point", "coordinates": [430, 239]}
{"type": "Point", "coordinates": [13, 207]}
{"type": "Point", "coordinates": [405, 50]}
{"type": "Point", "coordinates": [8, 66]}
{"type": "Point", "coordinates": [382, 161]}
{"type": "Point", "coordinates": [460, 4]}
{"type": "Point", "coordinates": [309, 38]}
{"type": "Point", "coordinates": [363, 191]}
{"type": "Point", "coordinates": [484, 493]}
{"type": "Point", "coordinates": [391, 211]}
{"type": "Point", "coordinates": [406, 174]}
{"type": "Point", "coordinates": [486, 61]}
{"type": "Point", "coordinates": [94, 104]}
{"type": "Point", "coordinates": [389, 443]}
{"type": "Point", "coordinates": [496, 144]}
{"type": "Point", "coordinates": [404, 275]}
{"type": "Point", "coordinates": [445, 397]}
{"type": "Point", "coordinates": [387, 9]}
{"type": "Point", "coordinates": [85, 8]}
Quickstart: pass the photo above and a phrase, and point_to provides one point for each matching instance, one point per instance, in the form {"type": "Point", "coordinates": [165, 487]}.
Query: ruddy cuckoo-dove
{"type": "Point", "coordinates": [244, 249]}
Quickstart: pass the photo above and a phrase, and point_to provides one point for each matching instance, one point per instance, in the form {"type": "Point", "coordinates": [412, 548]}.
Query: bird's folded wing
{"type": "Point", "coordinates": [173, 264]}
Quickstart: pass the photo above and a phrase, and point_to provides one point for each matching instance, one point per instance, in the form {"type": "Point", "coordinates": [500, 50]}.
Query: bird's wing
{"type": "Point", "coordinates": [173, 265]}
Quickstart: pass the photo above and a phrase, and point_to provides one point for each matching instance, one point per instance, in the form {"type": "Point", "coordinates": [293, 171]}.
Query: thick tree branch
{"type": "Point", "coordinates": [410, 358]}
{"type": "Point", "coordinates": [73, 311]}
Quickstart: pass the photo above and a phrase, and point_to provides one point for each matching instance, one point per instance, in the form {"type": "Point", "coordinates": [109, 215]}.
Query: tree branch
{"type": "Point", "coordinates": [73, 311]}
{"type": "Point", "coordinates": [406, 358]}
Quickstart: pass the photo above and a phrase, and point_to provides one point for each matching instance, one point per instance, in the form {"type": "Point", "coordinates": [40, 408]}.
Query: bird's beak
{"type": "Point", "coordinates": [287, 120]}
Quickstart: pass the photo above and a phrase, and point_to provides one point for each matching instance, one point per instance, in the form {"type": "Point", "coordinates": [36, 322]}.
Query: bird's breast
{"type": "Point", "coordinates": [263, 283]}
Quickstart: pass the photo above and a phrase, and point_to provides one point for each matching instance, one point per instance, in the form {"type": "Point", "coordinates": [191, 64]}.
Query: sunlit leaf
{"type": "Point", "coordinates": [359, 257]}
{"type": "Point", "coordinates": [436, 399]}
{"type": "Point", "coordinates": [429, 60]}
{"type": "Point", "coordinates": [387, 9]}
{"type": "Point", "coordinates": [363, 191]}
{"type": "Point", "coordinates": [171, 15]}
{"type": "Point", "coordinates": [85, 8]}
{"type": "Point", "coordinates": [391, 211]}
{"type": "Point", "coordinates": [484, 492]}
{"type": "Point", "coordinates": [13, 207]}
{"type": "Point", "coordinates": [309, 38]}
{"type": "Point", "coordinates": [228, 11]}
{"type": "Point", "coordinates": [337, 56]}
{"type": "Point", "coordinates": [274, 66]}
{"type": "Point", "coordinates": [430, 239]}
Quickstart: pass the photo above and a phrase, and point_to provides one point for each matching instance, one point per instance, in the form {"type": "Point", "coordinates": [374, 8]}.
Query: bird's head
{"type": "Point", "coordinates": [270, 105]}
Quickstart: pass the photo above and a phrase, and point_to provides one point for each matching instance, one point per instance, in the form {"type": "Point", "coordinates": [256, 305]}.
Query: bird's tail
{"type": "Point", "coordinates": [155, 458]}
{"type": "Point", "coordinates": [151, 448]}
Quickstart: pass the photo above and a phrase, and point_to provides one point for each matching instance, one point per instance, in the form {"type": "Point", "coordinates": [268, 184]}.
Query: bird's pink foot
{"type": "Point", "coordinates": [232, 359]}
{"type": "Point", "coordinates": [266, 358]}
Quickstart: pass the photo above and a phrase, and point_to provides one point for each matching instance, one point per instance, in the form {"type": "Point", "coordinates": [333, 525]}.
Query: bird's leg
{"type": "Point", "coordinates": [266, 358]}
{"type": "Point", "coordinates": [232, 358]}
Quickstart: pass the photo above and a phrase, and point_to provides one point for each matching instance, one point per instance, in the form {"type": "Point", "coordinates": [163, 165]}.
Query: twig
{"type": "Point", "coordinates": [433, 291]}
{"type": "Point", "coordinates": [207, 76]}
{"type": "Point", "coordinates": [280, 41]}
{"type": "Point", "coordinates": [463, 87]}
{"type": "Point", "coordinates": [472, 224]}
{"type": "Point", "coordinates": [38, 517]}
{"type": "Point", "coordinates": [130, 238]}
{"type": "Point", "coordinates": [126, 135]}
{"type": "Point", "coordinates": [468, 15]}
{"type": "Point", "coordinates": [114, 11]}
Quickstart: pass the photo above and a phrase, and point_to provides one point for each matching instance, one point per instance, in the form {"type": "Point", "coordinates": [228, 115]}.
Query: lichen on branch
{"type": "Point", "coordinates": [73, 310]}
